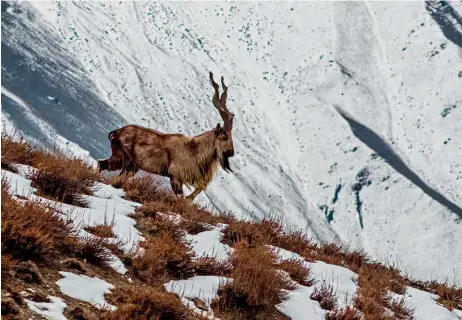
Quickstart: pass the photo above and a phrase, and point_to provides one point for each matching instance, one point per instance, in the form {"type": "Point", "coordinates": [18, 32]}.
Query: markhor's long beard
{"type": "Point", "coordinates": [224, 162]}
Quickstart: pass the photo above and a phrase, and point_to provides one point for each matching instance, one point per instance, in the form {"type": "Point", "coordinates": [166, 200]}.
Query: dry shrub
{"type": "Point", "coordinates": [140, 303]}
{"type": "Point", "coordinates": [165, 257]}
{"type": "Point", "coordinates": [297, 270]}
{"type": "Point", "coordinates": [325, 295]}
{"type": "Point", "coordinates": [450, 296]}
{"type": "Point", "coordinates": [15, 150]}
{"type": "Point", "coordinates": [252, 233]}
{"type": "Point", "coordinates": [256, 287]}
{"type": "Point", "coordinates": [344, 314]}
{"type": "Point", "coordinates": [206, 266]}
{"type": "Point", "coordinates": [269, 232]}
{"type": "Point", "coordinates": [400, 308]}
{"type": "Point", "coordinates": [193, 226]}
{"type": "Point", "coordinates": [31, 230]}
{"type": "Point", "coordinates": [94, 250]}
{"type": "Point", "coordinates": [63, 179]}
{"type": "Point", "coordinates": [140, 189]}
{"type": "Point", "coordinates": [102, 230]}
{"type": "Point", "coordinates": [372, 298]}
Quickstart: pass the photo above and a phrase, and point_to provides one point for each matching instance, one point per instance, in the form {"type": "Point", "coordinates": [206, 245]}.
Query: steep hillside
{"type": "Point", "coordinates": [348, 115]}
{"type": "Point", "coordinates": [76, 246]}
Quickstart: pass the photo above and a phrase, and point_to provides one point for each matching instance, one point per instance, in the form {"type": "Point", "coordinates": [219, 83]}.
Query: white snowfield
{"type": "Point", "coordinates": [348, 114]}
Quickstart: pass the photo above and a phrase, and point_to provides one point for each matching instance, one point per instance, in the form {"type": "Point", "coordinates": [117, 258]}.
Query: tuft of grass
{"type": "Point", "coordinates": [205, 266]}
{"type": "Point", "coordinates": [343, 314]}
{"type": "Point", "coordinates": [257, 285]}
{"type": "Point", "coordinates": [449, 295]}
{"type": "Point", "coordinates": [63, 179]}
{"type": "Point", "coordinates": [140, 303]}
{"type": "Point", "coordinates": [372, 298]}
{"type": "Point", "coordinates": [325, 295]}
{"type": "Point", "coordinates": [140, 189]}
{"type": "Point", "coordinates": [15, 150]}
{"type": "Point", "coordinates": [297, 271]}
{"type": "Point", "coordinates": [31, 230]}
{"type": "Point", "coordinates": [94, 250]}
{"type": "Point", "coordinates": [103, 231]}
{"type": "Point", "coordinates": [165, 257]}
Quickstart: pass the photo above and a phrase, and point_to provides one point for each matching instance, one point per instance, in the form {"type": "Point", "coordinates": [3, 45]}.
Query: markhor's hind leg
{"type": "Point", "coordinates": [177, 186]}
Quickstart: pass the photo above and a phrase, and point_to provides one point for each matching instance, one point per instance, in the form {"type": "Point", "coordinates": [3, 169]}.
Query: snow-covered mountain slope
{"type": "Point", "coordinates": [348, 114]}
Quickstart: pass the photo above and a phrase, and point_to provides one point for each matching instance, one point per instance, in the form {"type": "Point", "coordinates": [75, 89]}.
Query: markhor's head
{"type": "Point", "coordinates": [224, 142]}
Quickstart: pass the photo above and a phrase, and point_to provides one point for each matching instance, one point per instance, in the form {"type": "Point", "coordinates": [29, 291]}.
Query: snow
{"type": "Point", "coordinates": [425, 305]}
{"type": "Point", "coordinates": [207, 244]}
{"type": "Point", "coordinates": [50, 310]}
{"type": "Point", "coordinates": [298, 303]}
{"type": "Point", "coordinates": [202, 287]}
{"type": "Point", "coordinates": [343, 280]}
{"type": "Point", "coordinates": [299, 306]}
{"type": "Point", "coordinates": [296, 100]}
{"type": "Point", "coordinates": [85, 288]}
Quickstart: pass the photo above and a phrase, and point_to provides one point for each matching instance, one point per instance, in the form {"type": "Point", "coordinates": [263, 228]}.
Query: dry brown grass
{"type": "Point", "coordinates": [205, 266]}
{"type": "Point", "coordinates": [63, 179]}
{"type": "Point", "coordinates": [139, 189]}
{"type": "Point", "coordinates": [344, 314]}
{"type": "Point", "coordinates": [102, 230]}
{"type": "Point", "coordinates": [450, 296]}
{"type": "Point", "coordinates": [30, 230]}
{"type": "Point", "coordinates": [94, 250]}
{"type": "Point", "coordinates": [324, 294]}
{"type": "Point", "coordinates": [297, 271]}
{"type": "Point", "coordinates": [56, 176]}
{"type": "Point", "coordinates": [140, 303]}
{"type": "Point", "coordinates": [15, 150]}
{"type": "Point", "coordinates": [372, 298]}
{"type": "Point", "coordinates": [166, 257]}
{"type": "Point", "coordinates": [256, 287]}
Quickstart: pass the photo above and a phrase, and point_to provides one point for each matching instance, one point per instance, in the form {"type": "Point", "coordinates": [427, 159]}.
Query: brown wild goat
{"type": "Point", "coordinates": [191, 161]}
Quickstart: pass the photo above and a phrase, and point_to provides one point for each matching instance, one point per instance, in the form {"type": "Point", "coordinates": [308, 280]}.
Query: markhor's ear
{"type": "Point", "coordinates": [218, 126]}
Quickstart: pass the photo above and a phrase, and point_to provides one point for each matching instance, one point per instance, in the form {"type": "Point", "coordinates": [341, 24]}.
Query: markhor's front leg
{"type": "Point", "coordinates": [194, 194]}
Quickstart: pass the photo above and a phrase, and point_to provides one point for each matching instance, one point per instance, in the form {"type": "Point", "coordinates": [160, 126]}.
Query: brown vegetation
{"type": "Point", "coordinates": [135, 303]}
{"type": "Point", "coordinates": [30, 230]}
{"type": "Point", "coordinates": [15, 150]}
{"type": "Point", "coordinates": [372, 297]}
{"type": "Point", "coordinates": [324, 294]}
{"type": "Point", "coordinates": [343, 314]}
{"type": "Point", "coordinates": [449, 295]}
{"type": "Point", "coordinates": [165, 257]}
{"type": "Point", "coordinates": [257, 285]}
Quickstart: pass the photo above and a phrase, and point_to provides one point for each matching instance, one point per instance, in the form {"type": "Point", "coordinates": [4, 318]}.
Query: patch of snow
{"type": "Point", "coordinates": [208, 244]}
{"type": "Point", "coordinates": [85, 288]}
{"type": "Point", "coordinates": [299, 306]}
{"type": "Point", "coordinates": [425, 305]}
{"type": "Point", "coordinates": [201, 287]}
{"type": "Point", "coordinates": [117, 264]}
{"type": "Point", "coordinates": [342, 279]}
{"type": "Point", "coordinates": [50, 310]}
